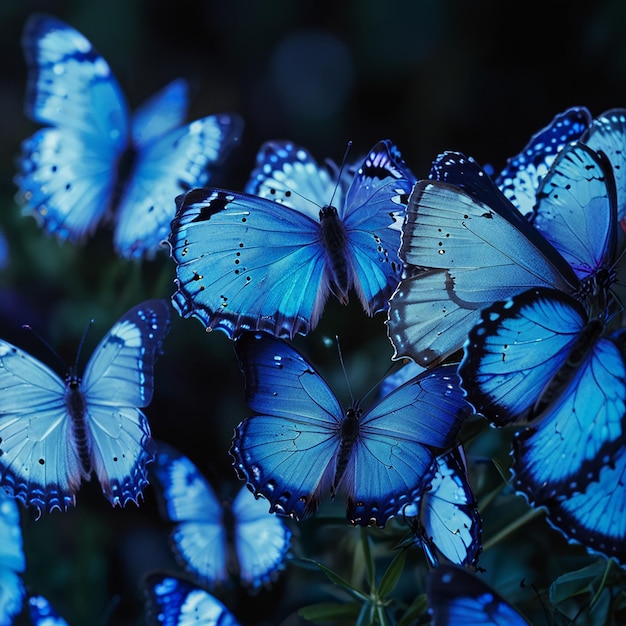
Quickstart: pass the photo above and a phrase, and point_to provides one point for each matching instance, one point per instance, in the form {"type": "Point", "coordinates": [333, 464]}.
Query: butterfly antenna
{"type": "Point", "coordinates": [82, 341]}
{"type": "Point", "coordinates": [340, 171]}
{"type": "Point", "coordinates": [343, 368]}
{"type": "Point", "coordinates": [47, 344]}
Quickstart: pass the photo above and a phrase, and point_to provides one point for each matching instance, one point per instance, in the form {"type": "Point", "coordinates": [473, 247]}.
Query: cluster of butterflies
{"type": "Point", "coordinates": [501, 289]}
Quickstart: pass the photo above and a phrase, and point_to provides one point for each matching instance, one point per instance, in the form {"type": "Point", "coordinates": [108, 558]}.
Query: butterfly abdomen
{"type": "Point", "coordinates": [348, 433]}
{"type": "Point", "coordinates": [334, 241]}
{"type": "Point", "coordinates": [76, 407]}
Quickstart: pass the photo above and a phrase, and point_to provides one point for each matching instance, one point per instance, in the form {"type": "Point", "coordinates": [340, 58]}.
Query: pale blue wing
{"type": "Point", "coordinates": [161, 113]}
{"type": "Point", "coordinates": [372, 214]}
{"type": "Point", "coordinates": [42, 613]}
{"type": "Point", "coordinates": [12, 561]}
{"type": "Point", "coordinates": [176, 602]}
{"type": "Point", "coordinates": [577, 209]}
{"type": "Point", "coordinates": [165, 166]}
{"type": "Point", "coordinates": [246, 263]}
{"type": "Point", "coordinates": [459, 598]}
{"type": "Point", "coordinates": [447, 521]}
{"type": "Point", "coordinates": [36, 465]}
{"type": "Point", "coordinates": [477, 255]}
{"type": "Point", "coordinates": [199, 534]}
{"type": "Point", "coordinates": [287, 451]}
{"type": "Point", "coordinates": [394, 456]}
{"type": "Point", "coordinates": [118, 380]}
{"type": "Point", "coordinates": [596, 516]}
{"type": "Point", "coordinates": [579, 430]}
{"type": "Point", "coordinates": [67, 171]}
{"type": "Point", "coordinates": [523, 173]}
{"type": "Point", "coordinates": [261, 539]}
{"type": "Point", "coordinates": [513, 353]}
{"type": "Point", "coordinates": [607, 134]}
{"type": "Point", "coordinates": [288, 174]}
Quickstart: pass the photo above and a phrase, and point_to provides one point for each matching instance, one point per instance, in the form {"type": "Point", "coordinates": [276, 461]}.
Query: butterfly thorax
{"type": "Point", "coordinates": [348, 434]}
{"type": "Point", "coordinates": [77, 409]}
{"type": "Point", "coordinates": [334, 241]}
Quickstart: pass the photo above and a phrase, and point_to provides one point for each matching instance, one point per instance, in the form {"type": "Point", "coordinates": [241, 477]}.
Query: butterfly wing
{"type": "Point", "coordinates": [176, 602]}
{"type": "Point", "coordinates": [166, 166]}
{"type": "Point", "coordinates": [67, 171]}
{"type": "Point", "coordinates": [286, 451]}
{"type": "Point", "coordinates": [118, 381]}
{"type": "Point", "coordinates": [246, 263]}
{"type": "Point", "coordinates": [199, 536]}
{"type": "Point", "coordinates": [372, 213]}
{"type": "Point", "coordinates": [288, 174]}
{"type": "Point", "coordinates": [523, 173]}
{"type": "Point", "coordinates": [577, 209]}
{"type": "Point", "coordinates": [459, 598]}
{"type": "Point", "coordinates": [393, 458]}
{"type": "Point", "coordinates": [476, 256]}
{"type": "Point", "coordinates": [12, 560]}
{"type": "Point", "coordinates": [42, 612]}
{"type": "Point", "coordinates": [261, 539]}
{"type": "Point", "coordinates": [449, 522]}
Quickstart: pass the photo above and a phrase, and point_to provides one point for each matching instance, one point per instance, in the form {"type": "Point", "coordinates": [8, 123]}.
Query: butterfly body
{"type": "Point", "coordinates": [54, 433]}
{"type": "Point", "coordinates": [94, 161]}
{"type": "Point", "coordinates": [269, 262]}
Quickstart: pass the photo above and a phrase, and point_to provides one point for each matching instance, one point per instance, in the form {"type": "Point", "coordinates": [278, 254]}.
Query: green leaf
{"type": "Point", "coordinates": [392, 575]}
{"type": "Point", "coordinates": [331, 612]}
{"type": "Point", "coordinates": [578, 582]}
{"type": "Point", "coordinates": [418, 607]}
{"type": "Point", "coordinates": [367, 553]}
{"type": "Point", "coordinates": [341, 582]}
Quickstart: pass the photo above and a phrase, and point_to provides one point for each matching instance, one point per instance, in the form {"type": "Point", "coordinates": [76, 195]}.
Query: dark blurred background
{"type": "Point", "coordinates": [479, 77]}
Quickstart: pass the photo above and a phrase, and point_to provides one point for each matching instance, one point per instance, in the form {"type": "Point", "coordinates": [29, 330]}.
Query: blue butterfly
{"type": "Point", "coordinates": [479, 249]}
{"type": "Point", "coordinates": [54, 433]}
{"type": "Point", "coordinates": [245, 262]}
{"type": "Point", "coordinates": [73, 172]}
{"type": "Point", "coordinates": [42, 612]}
{"type": "Point", "coordinates": [176, 602]}
{"type": "Point", "coordinates": [12, 561]}
{"type": "Point", "coordinates": [460, 598]}
{"type": "Point", "coordinates": [301, 444]}
{"type": "Point", "coordinates": [204, 524]}
{"type": "Point", "coordinates": [445, 520]}
{"type": "Point", "coordinates": [521, 177]}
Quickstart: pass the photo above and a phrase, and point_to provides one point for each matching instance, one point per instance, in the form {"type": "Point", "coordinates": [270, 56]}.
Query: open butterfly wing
{"type": "Point", "coordinates": [261, 539]}
{"type": "Point", "coordinates": [286, 452]}
{"type": "Point", "coordinates": [176, 602]}
{"type": "Point", "coordinates": [477, 257]}
{"type": "Point", "coordinates": [67, 172]}
{"type": "Point", "coordinates": [246, 263]}
{"type": "Point", "coordinates": [373, 213]}
{"type": "Point", "coordinates": [187, 499]}
{"type": "Point", "coordinates": [165, 167]}
{"type": "Point", "coordinates": [523, 173]}
{"type": "Point", "coordinates": [577, 209]}
{"type": "Point", "coordinates": [12, 560]}
{"type": "Point", "coordinates": [42, 613]}
{"type": "Point", "coordinates": [118, 380]}
{"type": "Point", "coordinates": [393, 459]}
{"type": "Point", "coordinates": [459, 598]}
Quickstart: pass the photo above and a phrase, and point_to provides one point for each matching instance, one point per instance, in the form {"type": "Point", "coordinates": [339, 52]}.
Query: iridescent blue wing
{"type": "Point", "coordinates": [12, 561]}
{"type": "Point", "coordinates": [42, 613]}
{"type": "Point", "coordinates": [164, 167]}
{"type": "Point", "coordinates": [286, 452]}
{"type": "Point", "coordinates": [447, 521]}
{"type": "Point", "coordinates": [577, 209]}
{"type": "Point", "coordinates": [246, 263]}
{"type": "Point", "coordinates": [607, 134]}
{"type": "Point", "coordinates": [478, 253]}
{"type": "Point", "coordinates": [261, 539]}
{"type": "Point", "coordinates": [373, 212]}
{"type": "Point", "coordinates": [199, 535]}
{"type": "Point", "coordinates": [595, 516]}
{"type": "Point", "coordinates": [288, 174]}
{"type": "Point", "coordinates": [176, 602]}
{"type": "Point", "coordinates": [118, 382]}
{"type": "Point", "coordinates": [67, 171]}
{"type": "Point", "coordinates": [459, 598]}
{"type": "Point", "coordinates": [291, 451]}
{"type": "Point", "coordinates": [520, 178]}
